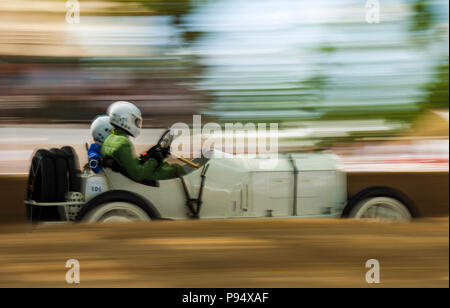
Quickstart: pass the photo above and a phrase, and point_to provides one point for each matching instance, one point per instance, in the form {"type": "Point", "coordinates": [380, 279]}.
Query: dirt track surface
{"type": "Point", "coordinates": [228, 253]}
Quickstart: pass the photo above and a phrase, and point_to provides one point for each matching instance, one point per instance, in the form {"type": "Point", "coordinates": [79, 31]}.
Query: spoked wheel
{"type": "Point", "coordinates": [382, 208]}
{"type": "Point", "coordinates": [116, 212]}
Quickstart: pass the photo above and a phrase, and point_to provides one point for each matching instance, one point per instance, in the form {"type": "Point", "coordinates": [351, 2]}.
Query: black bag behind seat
{"type": "Point", "coordinates": [73, 167]}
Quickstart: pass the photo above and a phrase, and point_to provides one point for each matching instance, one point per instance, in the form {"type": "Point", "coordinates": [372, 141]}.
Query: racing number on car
{"type": "Point", "coordinates": [96, 189]}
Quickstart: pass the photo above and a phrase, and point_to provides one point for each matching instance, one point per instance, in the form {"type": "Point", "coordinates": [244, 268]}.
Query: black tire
{"type": "Point", "coordinates": [378, 191]}
{"type": "Point", "coordinates": [73, 168]}
{"type": "Point", "coordinates": [42, 187]}
{"type": "Point", "coordinates": [41, 178]}
{"type": "Point", "coordinates": [61, 174]}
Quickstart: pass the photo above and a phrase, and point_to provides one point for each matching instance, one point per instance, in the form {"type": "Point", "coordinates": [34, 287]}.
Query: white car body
{"type": "Point", "coordinates": [296, 185]}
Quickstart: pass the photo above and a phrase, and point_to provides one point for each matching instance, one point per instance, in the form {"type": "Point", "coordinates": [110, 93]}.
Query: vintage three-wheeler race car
{"type": "Point", "coordinates": [213, 186]}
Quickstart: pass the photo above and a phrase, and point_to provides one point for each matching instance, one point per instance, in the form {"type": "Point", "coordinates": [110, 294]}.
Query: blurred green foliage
{"type": "Point", "coordinates": [422, 15]}
{"type": "Point", "coordinates": [437, 90]}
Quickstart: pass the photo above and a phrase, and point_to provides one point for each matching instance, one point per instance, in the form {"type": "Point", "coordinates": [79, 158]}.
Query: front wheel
{"type": "Point", "coordinates": [116, 212]}
{"type": "Point", "coordinates": [381, 208]}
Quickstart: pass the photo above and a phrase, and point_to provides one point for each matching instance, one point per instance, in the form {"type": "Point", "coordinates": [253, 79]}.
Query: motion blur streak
{"type": "Point", "coordinates": [231, 59]}
{"type": "Point", "coordinates": [317, 68]}
{"type": "Point", "coordinates": [229, 253]}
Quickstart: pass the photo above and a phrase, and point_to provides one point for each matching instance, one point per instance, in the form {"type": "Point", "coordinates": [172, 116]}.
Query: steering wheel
{"type": "Point", "coordinates": [163, 146]}
{"type": "Point", "coordinates": [166, 140]}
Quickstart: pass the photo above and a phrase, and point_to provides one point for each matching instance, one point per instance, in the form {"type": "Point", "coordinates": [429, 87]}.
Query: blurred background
{"type": "Point", "coordinates": [375, 93]}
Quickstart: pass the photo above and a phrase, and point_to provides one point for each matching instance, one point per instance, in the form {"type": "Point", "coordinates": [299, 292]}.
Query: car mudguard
{"type": "Point", "coordinates": [379, 191]}
{"type": "Point", "coordinates": [120, 196]}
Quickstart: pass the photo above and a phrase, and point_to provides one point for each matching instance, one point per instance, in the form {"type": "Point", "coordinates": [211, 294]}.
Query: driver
{"type": "Point", "coordinates": [127, 121]}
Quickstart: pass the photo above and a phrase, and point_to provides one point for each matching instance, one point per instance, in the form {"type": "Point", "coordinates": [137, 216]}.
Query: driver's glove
{"type": "Point", "coordinates": [158, 155]}
{"type": "Point", "coordinates": [165, 152]}
{"type": "Point", "coordinates": [156, 152]}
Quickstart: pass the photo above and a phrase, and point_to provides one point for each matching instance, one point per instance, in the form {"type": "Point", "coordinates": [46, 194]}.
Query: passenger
{"type": "Point", "coordinates": [127, 121]}
{"type": "Point", "coordinates": [100, 129]}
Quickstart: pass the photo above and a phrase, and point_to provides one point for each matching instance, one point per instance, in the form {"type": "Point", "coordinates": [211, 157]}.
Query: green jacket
{"type": "Point", "coordinates": [119, 147]}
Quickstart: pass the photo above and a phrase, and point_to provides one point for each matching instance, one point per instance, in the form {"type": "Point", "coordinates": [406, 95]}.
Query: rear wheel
{"type": "Point", "coordinates": [381, 208]}
{"type": "Point", "coordinates": [116, 212]}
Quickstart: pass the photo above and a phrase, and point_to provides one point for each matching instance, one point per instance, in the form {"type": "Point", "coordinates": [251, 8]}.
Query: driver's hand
{"type": "Point", "coordinates": [155, 152]}
{"type": "Point", "coordinates": [165, 152]}
{"type": "Point", "coordinates": [158, 155]}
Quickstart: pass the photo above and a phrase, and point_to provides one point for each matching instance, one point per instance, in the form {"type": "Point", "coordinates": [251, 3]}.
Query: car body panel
{"type": "Point", "coordinates": [243, 187]}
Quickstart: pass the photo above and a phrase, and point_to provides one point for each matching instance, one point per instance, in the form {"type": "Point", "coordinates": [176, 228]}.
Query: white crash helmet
{"type": "Point", "coordinates": [101, 128]}
{"type": "Point", "coordinates": [126, 116]}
